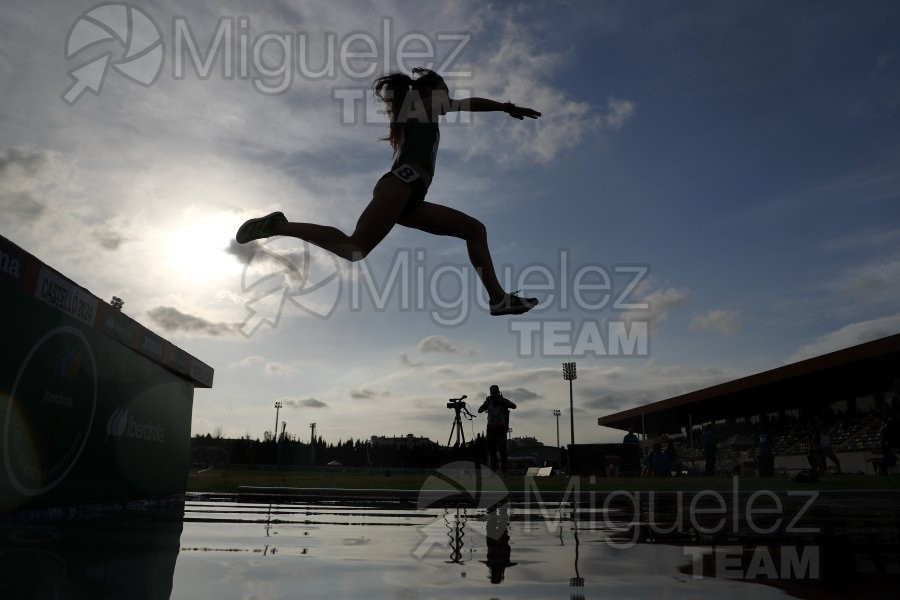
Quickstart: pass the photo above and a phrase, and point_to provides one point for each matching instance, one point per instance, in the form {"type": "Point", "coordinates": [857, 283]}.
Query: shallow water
{"type": "Point", "coordinates": [278, 551]}
{"type": "Point", "coordinates": [201, 548]}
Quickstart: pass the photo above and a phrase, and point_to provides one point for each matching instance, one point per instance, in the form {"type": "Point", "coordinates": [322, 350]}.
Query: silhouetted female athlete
{"type": "Point", "coordinates": [414, 106]}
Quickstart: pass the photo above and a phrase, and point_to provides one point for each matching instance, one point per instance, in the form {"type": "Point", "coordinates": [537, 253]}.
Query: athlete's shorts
{"type": "Point", "coordinates": [417, 186]}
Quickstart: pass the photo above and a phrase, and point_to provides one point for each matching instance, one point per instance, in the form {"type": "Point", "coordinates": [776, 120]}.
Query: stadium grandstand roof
{"type": "Point", "coordinates": [867, 369]}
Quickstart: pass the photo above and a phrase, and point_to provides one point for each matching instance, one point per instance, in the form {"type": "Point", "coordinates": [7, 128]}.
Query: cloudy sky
{"type": "Point", "coordinates": [712, 191]}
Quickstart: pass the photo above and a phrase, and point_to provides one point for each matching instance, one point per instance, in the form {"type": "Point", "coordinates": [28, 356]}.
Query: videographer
{"type": "Point", "coordinates": [497, 408]}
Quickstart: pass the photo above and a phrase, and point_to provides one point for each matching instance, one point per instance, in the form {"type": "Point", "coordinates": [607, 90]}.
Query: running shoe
{"type": "Point", "coordinates": [255, 229]}
{"type": "Point", "coordinates": [512, 304]}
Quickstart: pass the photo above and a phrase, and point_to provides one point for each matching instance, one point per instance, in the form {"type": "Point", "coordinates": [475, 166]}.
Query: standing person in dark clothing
{"type": "Point", "coordinates": [497, 408]}
{"type": "Point", "coordinates": [815, 456]}
{"type": "Point", "coordinates": [672, 455]}
{"type": "Point", "coordinates": [890, 439]}
{"type": "Point", "coordinates": [766, 456]}
{"type": "Point", "coordinates": [827, 451]}
{"type": "Point", "coordinates": [631, 437]}
{"type": "Point", "coordinates": [709, 450]}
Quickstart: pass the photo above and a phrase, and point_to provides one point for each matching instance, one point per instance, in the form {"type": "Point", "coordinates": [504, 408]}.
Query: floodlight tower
{"type": "Point", "coordinates": [570, 374]}
{"type": "Point", "coordinates": [278, 406]}
{"type": "Point", "coordinates": [556, 413]}
{"type": "Point", "coordinates": [312, 445]}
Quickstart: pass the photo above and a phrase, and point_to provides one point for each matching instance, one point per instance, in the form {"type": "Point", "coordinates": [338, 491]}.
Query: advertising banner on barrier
{"type": "Point", "coordinates": [93, 406]}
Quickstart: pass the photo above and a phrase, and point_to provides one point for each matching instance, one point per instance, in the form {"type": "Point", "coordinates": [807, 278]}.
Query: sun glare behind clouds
{"type": "Point", "coordinates": [195, 247]}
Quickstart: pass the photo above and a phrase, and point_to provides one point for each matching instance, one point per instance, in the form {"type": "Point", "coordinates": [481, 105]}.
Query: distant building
{"type": "Point", "coordinates": [407, 441]}
{"type": "Point", "coordinates": [529, 452]}
{"type": "Point", "coordinates": [522, 442]}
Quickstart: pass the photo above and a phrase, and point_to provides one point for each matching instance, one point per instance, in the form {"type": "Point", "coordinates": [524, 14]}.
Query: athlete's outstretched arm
{"type": "Point", "coordinates": [488, 105]}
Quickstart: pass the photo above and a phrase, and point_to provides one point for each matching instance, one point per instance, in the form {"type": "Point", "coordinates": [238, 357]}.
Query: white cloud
{"type": "Point", "coordinates": [365, 394]}
{"type": "Point", "coordinates": [847, 336]}
{"type": "Point", "coordinates": [870, 284]}
{"type": "Point", "coordinates": [660, 302]}
{"type": "Point", "coordinates": [269, 367]}
{"type": "Point", "coordinates": [280, 369]}
{"type": "Point", "coordinates": [515, 64]}
{"type": "Point", "coordinates": [719, 320]}
{"type": "Point", "coordinates": [31, 180]}
{"type": "Point", "coordinates": [408, 362]}
{"type": "Point", "coordinates": [172, 320]}
{"type": "Point", "coordinates": [303, 403]}
{"type": "Point", "coordinates": [865, 239]}
{"type": "Point", "coordinates": [441, 344]}
{"type": "Point", "coordinates": [619, 112]}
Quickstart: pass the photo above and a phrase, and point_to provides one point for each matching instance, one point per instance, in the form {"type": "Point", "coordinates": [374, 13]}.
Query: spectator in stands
{"type": "Point", "coordinates": [814, 454]}
{"type": "Point", "coordinates": [889, 444]}
{"type": "Point", "coordinates": [892, 431]}
{"type": "Point", "coordinates": [895, 400]}
{"type": "Point", "coordinates": [672, 454]}
{"type": "Point", "coordinates": [630, 437]}
{"type": "Point", "coordinates": [709, 450]}
{"type": "Point", "coordinates": [828, 452]}
{"type": "Point", "coordinates": [660, 462]}
{"type": "Point", "coordinates": [766, 456]}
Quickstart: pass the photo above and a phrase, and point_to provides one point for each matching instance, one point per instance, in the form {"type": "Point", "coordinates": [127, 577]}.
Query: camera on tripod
{"type": "Point", "coordinates": [459, 406]}
{"type": "Point", "coordinates": [457, 403]}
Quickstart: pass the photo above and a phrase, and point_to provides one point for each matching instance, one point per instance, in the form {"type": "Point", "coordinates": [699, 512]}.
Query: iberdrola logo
{"type": "Point", "coordinates": [139, 58]}
{"type": "Point", "coordinates": [117, 423]}
{"type": "Point", "coordinates": [121, 425]}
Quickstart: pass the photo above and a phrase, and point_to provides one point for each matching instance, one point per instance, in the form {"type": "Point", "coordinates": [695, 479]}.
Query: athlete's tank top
{"type": "Point", "coordinates": [418, 144]}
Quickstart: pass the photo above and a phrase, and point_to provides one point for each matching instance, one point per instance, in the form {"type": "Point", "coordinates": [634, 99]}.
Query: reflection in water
{"type": "Point", "coordinates": [578, 580]}
{"type": "Point", "coordinates": [227, 549]}
{"type": "Point", "coordinates": [111, 555]}
{"type": "Point", "coordinates": [499, 551]}
{"type": "Point", "coordinates": [488, 533]}
{"type": "Point", "coordinates": [808, 543]}
{"type": "Point", "coordinates": [456, 533]}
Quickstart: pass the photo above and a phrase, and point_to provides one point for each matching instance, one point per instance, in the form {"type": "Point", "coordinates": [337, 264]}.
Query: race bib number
{"type": "Point", "coordinates": [406, 173]}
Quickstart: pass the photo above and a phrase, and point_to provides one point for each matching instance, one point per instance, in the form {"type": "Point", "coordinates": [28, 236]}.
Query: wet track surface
{"type": "Point", "coordinates": [747, 545]}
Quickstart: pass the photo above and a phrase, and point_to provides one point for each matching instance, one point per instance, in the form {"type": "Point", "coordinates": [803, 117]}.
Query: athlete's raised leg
{"type": "Point", "coordinates": [388, 201]}
{"type": "Point", "coordinates": [443, 220]}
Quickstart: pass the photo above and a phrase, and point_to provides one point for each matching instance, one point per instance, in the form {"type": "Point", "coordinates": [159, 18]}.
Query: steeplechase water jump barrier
{"type": "Point", "coordinates": [94, 407]}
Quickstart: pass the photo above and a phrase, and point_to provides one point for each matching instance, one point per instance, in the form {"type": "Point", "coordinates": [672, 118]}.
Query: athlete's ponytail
{"type": "Point", "coordinates": [393, 90]}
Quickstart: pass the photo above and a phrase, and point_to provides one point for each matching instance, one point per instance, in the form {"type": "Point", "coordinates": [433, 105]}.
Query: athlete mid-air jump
{"type": "Point", "coordinates": [414, 105]}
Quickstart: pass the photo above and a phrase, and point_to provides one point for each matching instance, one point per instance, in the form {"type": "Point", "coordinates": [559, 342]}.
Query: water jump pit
{"type": "Point", "coordinates": [279, 543]}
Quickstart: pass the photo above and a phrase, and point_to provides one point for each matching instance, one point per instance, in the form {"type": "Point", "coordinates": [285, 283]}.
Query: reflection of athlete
{"type": "Point", "coordinates": [399, 196]}
{"type": "Point", "coordinates": [499, 551]}
{"type": "Point", "coordinates": [497, 408]}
